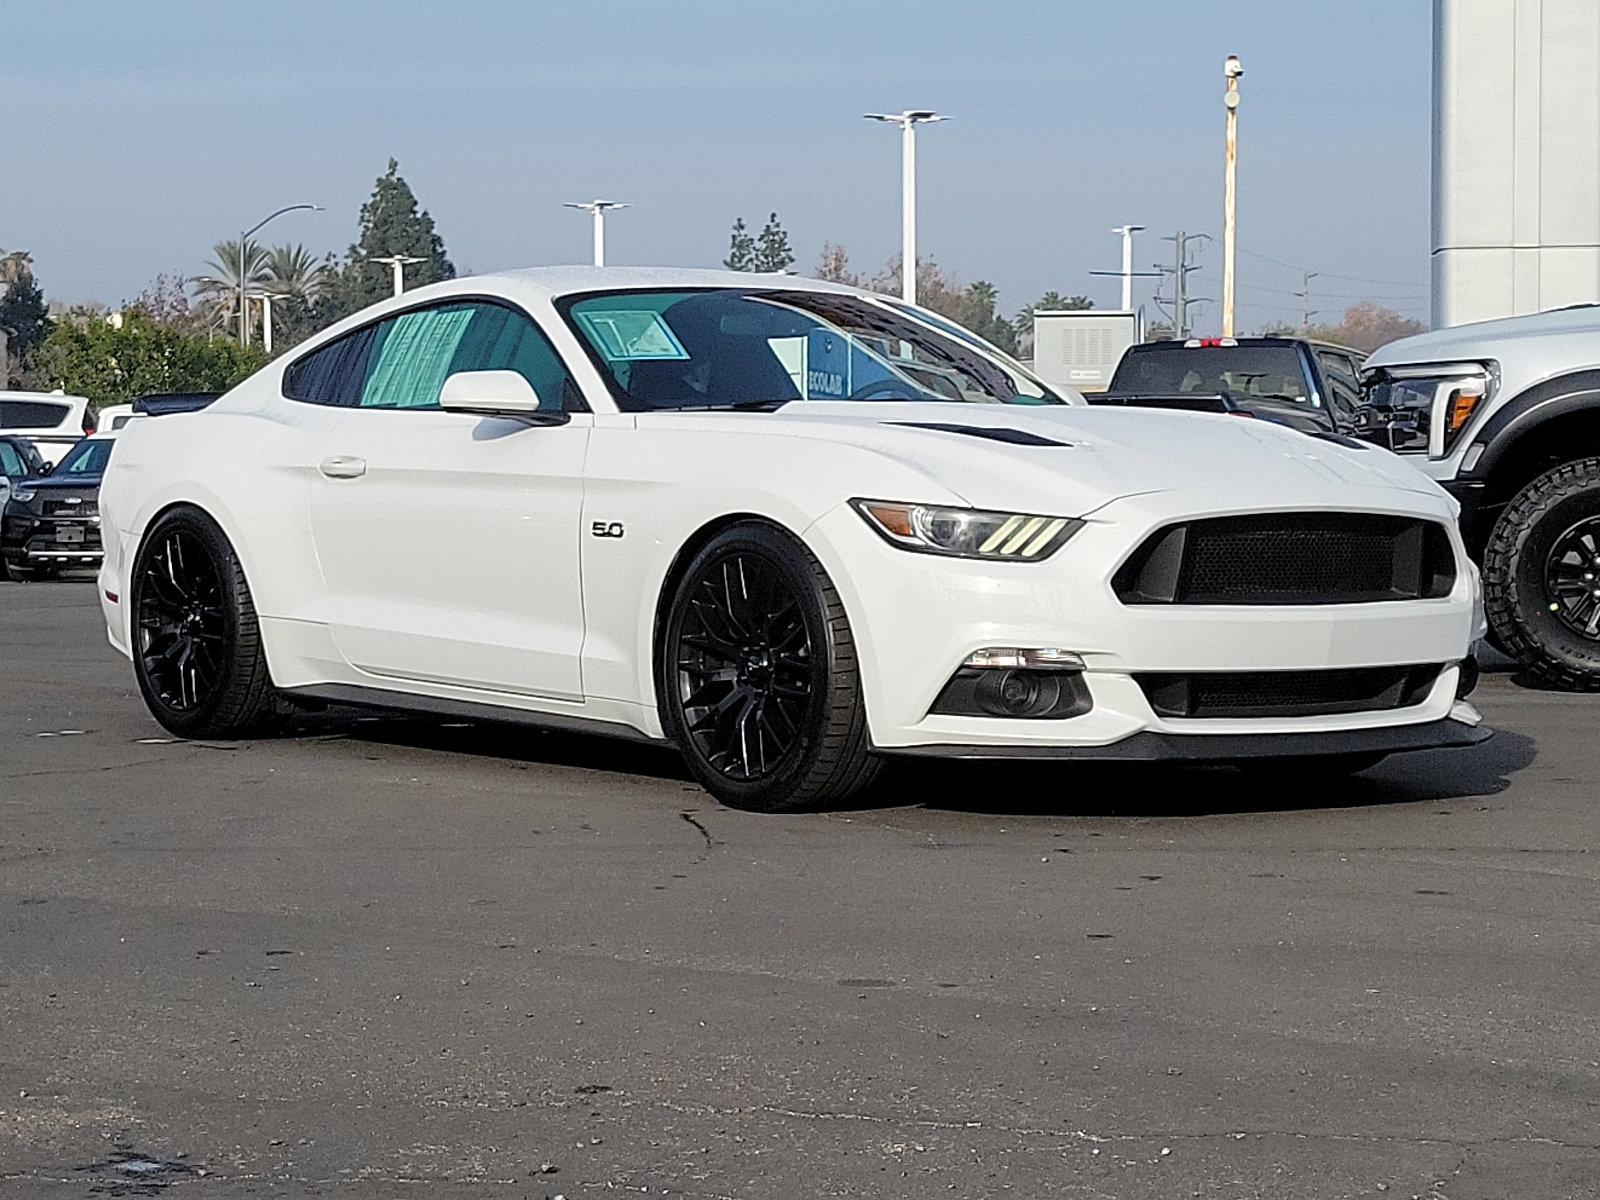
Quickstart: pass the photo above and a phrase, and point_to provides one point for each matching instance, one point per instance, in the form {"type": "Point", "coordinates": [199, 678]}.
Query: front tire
{"type": "Point", "coordinates": [1541, 577]}
{"type": "Point", "coordinates": [759, 679]}
{"type": "Point", "coordinates": [197, 650]}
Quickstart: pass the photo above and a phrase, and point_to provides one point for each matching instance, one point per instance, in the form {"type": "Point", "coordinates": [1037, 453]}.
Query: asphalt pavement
{"type": "Point", "coordinates": [390, 957]}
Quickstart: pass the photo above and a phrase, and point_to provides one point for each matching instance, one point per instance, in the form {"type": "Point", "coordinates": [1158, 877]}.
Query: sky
{"type": "Point", "coordinates": [139, 135]}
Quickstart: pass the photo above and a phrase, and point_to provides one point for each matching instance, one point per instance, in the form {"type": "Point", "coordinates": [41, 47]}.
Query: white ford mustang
{"type": "Point", "coordinates": [790, 527]}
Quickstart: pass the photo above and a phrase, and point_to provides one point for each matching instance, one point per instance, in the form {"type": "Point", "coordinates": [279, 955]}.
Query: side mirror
{"type": "Point", "coordinates": [495, 394]}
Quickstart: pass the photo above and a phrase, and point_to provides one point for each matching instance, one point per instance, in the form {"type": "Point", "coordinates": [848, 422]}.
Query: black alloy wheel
{"type": "Point", "coordinates": [1541, 577]}
{"type": "Point", "coordinates": [196, 642]}
{"type": "Point", "coordinates": [1572, 578]}
{"type": "Point", "coordinates": [759, 675]}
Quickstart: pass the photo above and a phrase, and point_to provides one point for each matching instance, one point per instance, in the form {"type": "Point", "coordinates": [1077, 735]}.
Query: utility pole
{"type": "Point", "coordinates": [1127, 232]}
{"type": "Point", "coordinates": [267, 300]}
{"type": "Point", "coordinates": [1230, 101]}
{"type": "Point", "coordinates": [597, 210]}
{"type": "Point", "coordinates": [1306, 311]}
{"type": "Point", "coordinates": [399, 262]}
{"type": "Point", "coordinates": [1180, 280]}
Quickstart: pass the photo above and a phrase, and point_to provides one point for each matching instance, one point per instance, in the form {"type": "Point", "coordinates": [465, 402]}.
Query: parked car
{"type": "Point", "coordinates": [53, 521]}
{"type": "Point", "coordinates": [113, 417]}
{"type": "Point", "coordinates": [18, 460]}
{"type": "Point", "coordinates": [1311, 386]}
{"type": "Point", "coordinates": [52, 421]}
{"type": "Point", "coordinates": [1506, 415]}
{"type": "Point", "coordinates": [786, 525]}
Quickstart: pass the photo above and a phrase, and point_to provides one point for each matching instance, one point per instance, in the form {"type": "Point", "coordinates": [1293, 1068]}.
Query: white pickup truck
{"type": "Point", "coordinates": [1506, 416]}
{"type": "Point", "coordinates": [53, 421]}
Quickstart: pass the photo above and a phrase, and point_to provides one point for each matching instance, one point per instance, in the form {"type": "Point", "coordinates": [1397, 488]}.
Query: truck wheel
{"type": "Point", "coordinates": [1541, 577]}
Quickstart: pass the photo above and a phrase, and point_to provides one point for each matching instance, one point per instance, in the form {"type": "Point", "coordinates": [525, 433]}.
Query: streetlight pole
{"type": "Point", "coordinates": [1230, 100]}
{"type": "Point", "coordinates": [244, 266]}
{"type": "Point", "coordinates": [267, 300]}
{"type": "Point", "coordinates": [1127, 232]}
{"type": "Point", "coordinates": [597, 210]}
{"type": "Point", "coordinates": [399, 262]}
{"type": "Point", "coordinates": [908, 122]}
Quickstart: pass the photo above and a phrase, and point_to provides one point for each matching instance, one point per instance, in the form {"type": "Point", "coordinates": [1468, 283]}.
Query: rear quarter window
{"type": "Point", "coordinates": [32, 414]}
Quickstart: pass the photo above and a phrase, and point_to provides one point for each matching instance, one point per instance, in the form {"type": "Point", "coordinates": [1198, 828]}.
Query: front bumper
{"type": "Point", "coordinates": [916, 618]}
{"type": "Point", "coordinates": [51, 541]}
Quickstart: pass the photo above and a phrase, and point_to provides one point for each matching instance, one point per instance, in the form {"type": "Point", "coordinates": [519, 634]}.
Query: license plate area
{"type": "Point", "coordinates": [71, 535]}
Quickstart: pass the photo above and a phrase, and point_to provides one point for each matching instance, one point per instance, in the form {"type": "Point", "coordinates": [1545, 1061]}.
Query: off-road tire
{"type": "Point", "coordinates": [831, 757]}
{"type": "Point", "coordinates": [1551, 653]}
{"type": "Point", "coordinates": [240, 701]}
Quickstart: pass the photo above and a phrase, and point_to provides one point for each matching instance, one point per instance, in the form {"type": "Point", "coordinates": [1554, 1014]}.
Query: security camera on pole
{"type": "Point", "coordinates": [1230, 100]}
{"type": "Point", "coordinates": [908, 122]}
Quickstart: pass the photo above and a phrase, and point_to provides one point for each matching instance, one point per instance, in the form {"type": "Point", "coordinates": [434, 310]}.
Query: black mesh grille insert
{"type": "Point", "coordinates": [1290, 558]}
{"type": "Point", "coordinates": [1288, 693]}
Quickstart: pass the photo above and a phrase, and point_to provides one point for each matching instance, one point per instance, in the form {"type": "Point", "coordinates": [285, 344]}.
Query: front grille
{"type": "Point", "coordinates": [1290, 558]}
{"type": "Point", "coordinates": [1288, 693]}
{"type": "Point", "coordinates": [70, 508]}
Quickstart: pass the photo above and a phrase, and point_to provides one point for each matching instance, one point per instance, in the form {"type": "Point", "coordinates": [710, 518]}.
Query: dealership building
{"type": "Point", "coordinates": [1516, 157]}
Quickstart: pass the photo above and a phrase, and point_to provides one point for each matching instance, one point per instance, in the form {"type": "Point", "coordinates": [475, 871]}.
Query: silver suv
{"type": "Point", "coordinates": [1506, 415]}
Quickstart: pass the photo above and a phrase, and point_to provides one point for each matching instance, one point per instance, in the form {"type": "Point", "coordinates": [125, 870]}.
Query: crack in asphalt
{"type": "Point", "coordinates": [688, 815]}
{"type": "Point", "coordinates": [138, 762]}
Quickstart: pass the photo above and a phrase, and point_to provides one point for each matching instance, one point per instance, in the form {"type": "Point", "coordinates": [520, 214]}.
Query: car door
{"type": "Point", "coordinates": [448, 542]}
{"type": "Point", "coordinates": [1344, 388]}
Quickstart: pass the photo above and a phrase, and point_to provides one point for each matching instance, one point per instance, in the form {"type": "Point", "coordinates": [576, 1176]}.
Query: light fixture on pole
{"type": "Point", "coordinates": [908, 122]}
{"type": "Point", "coordinates": [244, 265]}
{"type": "Point", "coordinates": [597, 210]}
{"type": "Point", "coordinates": [1230, 100]}
{"type": "Point", "coordinates": [399, 262]}
{"type": "Point", "coordinates": [1127, 232]}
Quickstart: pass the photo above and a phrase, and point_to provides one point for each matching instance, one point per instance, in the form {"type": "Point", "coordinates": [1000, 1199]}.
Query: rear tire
{"type": "Point", "coordinates": [758, 676]}
{"type": "Point", "coordinates": [197, 650]}
{"type": "Point", "coordinates": [1543, 612]}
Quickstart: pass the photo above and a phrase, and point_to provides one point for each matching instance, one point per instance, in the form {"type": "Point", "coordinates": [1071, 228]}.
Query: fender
{"type": "Point", "coordinates": [1543, 401]}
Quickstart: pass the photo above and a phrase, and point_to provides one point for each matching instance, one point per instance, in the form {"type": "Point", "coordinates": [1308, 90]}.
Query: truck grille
{"type": "Point", "coordinates": [74, 507]}
{"type": "Point", "coordinates": [1290, 558]}
{"type": "Point", "coordinates": [1288, 693]}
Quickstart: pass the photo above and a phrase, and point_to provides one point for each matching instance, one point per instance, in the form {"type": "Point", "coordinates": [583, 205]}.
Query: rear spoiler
{"type": "Point", "coordinates": [162, 404]}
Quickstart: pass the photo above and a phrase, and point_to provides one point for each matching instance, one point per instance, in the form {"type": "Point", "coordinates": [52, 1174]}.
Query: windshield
{"type": "Point", "coordinates": [88, 457]}
{"type": "Point", "coordinates": [1269, 372]}
{"type": "Point", "coordinates": [713, 349]}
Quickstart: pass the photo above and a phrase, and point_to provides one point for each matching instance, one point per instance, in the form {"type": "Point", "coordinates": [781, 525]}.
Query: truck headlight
{"type": "Point", "coordinates": [967, 532]}
{"type": "Point", "coordinates": [1424, 409]}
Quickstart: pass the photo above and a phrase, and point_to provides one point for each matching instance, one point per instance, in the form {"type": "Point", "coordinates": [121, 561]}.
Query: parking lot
{"type": "Point", "coordinates": [384, 956]}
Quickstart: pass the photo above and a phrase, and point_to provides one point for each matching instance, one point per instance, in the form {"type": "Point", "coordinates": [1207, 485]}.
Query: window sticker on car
{"type": "Point", "coordinates": [631, 334]}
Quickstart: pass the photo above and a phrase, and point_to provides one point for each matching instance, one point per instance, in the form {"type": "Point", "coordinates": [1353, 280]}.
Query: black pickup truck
{"type": "Point", "coordinates": [1311, 386]}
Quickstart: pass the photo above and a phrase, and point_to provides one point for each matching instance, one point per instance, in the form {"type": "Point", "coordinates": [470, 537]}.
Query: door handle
{"type": "Point", "coordinates": [343, 466]}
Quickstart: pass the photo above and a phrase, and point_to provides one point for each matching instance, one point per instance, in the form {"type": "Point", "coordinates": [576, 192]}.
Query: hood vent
{"type": "Point", "coordinates": [1015, 437]}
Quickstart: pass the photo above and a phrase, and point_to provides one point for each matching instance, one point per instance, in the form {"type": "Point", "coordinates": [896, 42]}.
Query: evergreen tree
{"type": "Point", "coordinates": [741, 248]}
{"type": "Point", "coordinates": [23, 315]}
{"type": "Point", "coordinates": [391, 223]}
{"type": "Point", "coordinates": [772, 248]}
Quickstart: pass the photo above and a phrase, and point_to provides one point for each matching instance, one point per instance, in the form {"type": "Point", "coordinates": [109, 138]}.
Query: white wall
{"type": "Point", "coordinates": [1516, 157]}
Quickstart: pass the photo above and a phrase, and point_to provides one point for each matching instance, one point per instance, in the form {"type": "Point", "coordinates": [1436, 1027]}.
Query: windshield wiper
{"type": "Point", "coordinates": [737, 406]}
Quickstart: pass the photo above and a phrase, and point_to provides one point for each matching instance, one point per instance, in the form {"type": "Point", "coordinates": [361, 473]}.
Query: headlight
{"type": "Point", "coordinates": [1424, 409]}
{"type": "Point", "coordinates": [22, 494]}
{"type": "Point", "coordinates": [967, 532]}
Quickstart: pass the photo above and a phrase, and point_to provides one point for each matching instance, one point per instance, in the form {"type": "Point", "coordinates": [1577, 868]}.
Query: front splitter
{"type": "Point", "coordinates": [1227, 747]}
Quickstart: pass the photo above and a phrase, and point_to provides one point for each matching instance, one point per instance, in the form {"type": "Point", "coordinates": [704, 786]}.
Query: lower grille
{"type": "Point", "coordinates": [1288, 693]}
{"type": "Point", "coordinates": [70, 508]}
{"type": "Point", "coordinates": [1290, 558]}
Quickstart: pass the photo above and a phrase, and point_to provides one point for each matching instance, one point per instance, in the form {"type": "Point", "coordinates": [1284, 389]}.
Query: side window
{"type": "Point", "coordinates": [501, 339]}
{"type": "Point", "coordinates": [1346, 390]}
{"type": "Point", "coordinates": [11, 461]}
{"type": "Point", "coordinates": [403, 362]}
{"type": "Point", "coordinates": [332, 374]}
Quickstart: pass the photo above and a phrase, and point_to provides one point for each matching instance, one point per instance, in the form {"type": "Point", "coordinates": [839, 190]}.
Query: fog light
{"type": "Point", "coordinates": [1047, 658]}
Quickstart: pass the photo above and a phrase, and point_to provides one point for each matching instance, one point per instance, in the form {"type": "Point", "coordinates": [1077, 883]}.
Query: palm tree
{"type": "Point", "coordinates": [292, 271]}
{"type": "Point", "coordinates": [218, 293]}
{"type": "Point", "coordinates": [14, 266]}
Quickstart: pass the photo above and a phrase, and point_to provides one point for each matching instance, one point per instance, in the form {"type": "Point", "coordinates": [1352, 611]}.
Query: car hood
{"type": "Point", "coordinates": [1567, 331]}
{"type": "Point", "coordinates": [52, 483]}
{"type": "Point", "coordinates": [1072, 459]}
